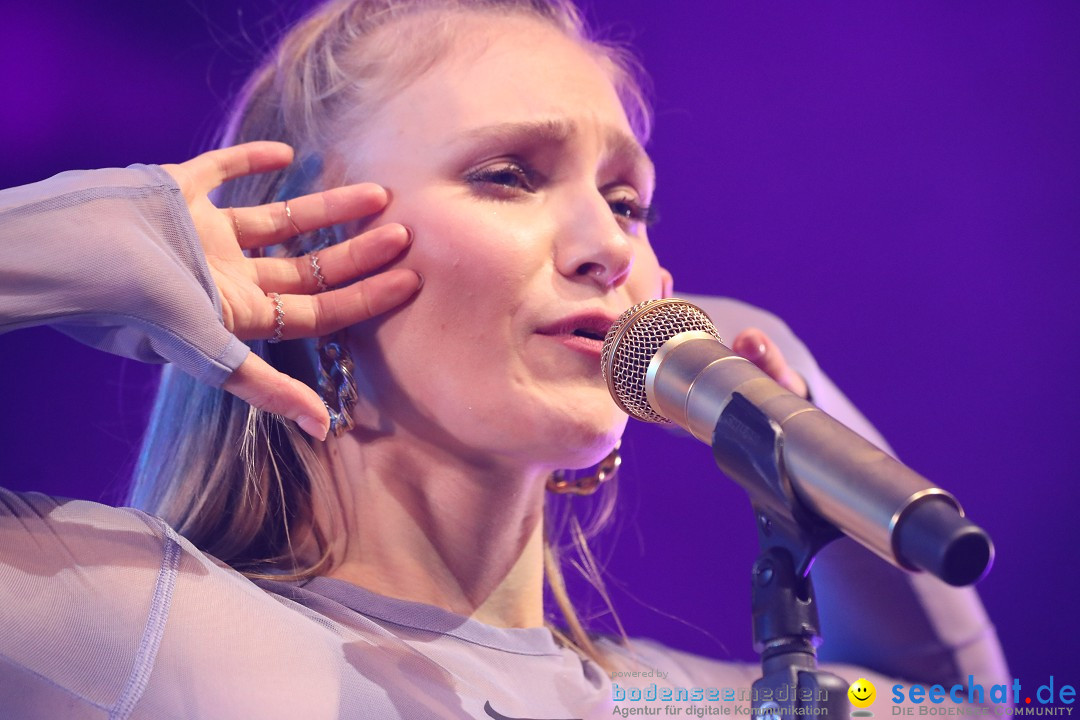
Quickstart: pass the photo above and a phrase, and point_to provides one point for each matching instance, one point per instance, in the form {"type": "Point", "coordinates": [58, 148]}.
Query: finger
{"type": "Point", "coordinates": [212, 168]}
{"type": "Point", "coordinates": [667, 283]}
{"type": "Point", "coordinates": [363, 300]}
{"type": "Point", "coordinates": [339, 264]}
{"type": "Point", "coordinates": [270, 224]}
{"type": "Point", "coordinates": [755, 346]}
{"type": "Point", "coordinates": [307, 316]}
{"type": "Point", "coordinates": [262, 386]}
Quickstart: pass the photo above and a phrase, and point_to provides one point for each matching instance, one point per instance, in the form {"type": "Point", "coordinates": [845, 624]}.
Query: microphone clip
{"type": "Point", "coordinates": [747, 446]}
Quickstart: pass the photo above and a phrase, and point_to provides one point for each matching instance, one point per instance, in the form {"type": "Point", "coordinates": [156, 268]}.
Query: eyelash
{"type": "Point", "coordinates": [512, 176]}
{"type": "Point", "coordinates": [634, 211]}
{"type": "Point", "coordinates": [502, 174]}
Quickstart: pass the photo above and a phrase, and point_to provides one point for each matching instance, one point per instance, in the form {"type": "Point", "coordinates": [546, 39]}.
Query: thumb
{"type": "Point", "coordinates": [755, 346]}
{"type": "Point", "coordinates": [261, 386]}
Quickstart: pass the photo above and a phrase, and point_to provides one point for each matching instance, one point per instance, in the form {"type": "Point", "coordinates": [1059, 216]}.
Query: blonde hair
{"type": "Point", "coordinates": [236, 481]}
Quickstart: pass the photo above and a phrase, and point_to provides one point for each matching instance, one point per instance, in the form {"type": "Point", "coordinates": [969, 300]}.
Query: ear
{"type": "Point", "coordinates": [667, 283]}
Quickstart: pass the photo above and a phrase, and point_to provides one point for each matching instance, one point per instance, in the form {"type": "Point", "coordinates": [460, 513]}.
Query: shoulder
{"type": "Point", "coordinates": [41, 536]}
{"type": "Point", "coordinates": [77, 583]}
{"type": "Point", "coordinates": [107, 611]}
{"type": "Point", "coordinates": [93, 599]}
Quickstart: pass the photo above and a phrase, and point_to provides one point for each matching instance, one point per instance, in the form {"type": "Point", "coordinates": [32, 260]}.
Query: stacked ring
{"type": "Point", "coordinates": [279, 317]}
{"type": "Point", "coordinates": [317, 272]}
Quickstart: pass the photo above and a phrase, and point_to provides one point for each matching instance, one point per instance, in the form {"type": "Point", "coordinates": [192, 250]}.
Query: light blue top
{"type": "Point", "coordinates": [111, 258]}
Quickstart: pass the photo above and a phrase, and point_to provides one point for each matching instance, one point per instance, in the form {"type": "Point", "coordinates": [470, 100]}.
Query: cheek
{"type": "Point", "coordinates": [479, 261]}
{"type": "Point", "coordinates": [647, 280]}
{"type": "Point", "coordinates": [467, 246]}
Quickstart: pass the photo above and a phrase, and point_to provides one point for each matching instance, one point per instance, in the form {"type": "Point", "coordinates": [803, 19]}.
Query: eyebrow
{"type": "Point", "coordinates": [619, 145]}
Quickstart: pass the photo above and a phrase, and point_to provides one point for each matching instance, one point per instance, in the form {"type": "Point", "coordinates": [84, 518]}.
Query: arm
{"type": "Point", "coordinates": [111, 258]}
{"type": "Point", "coordinates": [141, 263]}
{"type": "Point", "coordinates": [898, 623]}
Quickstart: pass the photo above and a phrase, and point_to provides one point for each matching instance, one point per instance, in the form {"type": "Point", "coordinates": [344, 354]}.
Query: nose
{"type": "Point", "coordinates": [592, 246]}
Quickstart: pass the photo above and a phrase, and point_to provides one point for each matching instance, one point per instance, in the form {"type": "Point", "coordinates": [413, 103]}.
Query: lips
{"type": "Point", "coordinates": [591, 325]}
{"type": "Point", "coordinates": [584, 331]}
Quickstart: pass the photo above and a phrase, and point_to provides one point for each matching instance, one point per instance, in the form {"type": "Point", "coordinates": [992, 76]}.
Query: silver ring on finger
{"type": "Point", "coordinates": [288, 214]}
{"type": "Point", "coordinates": [316, 271]}
{"type": "Point", "coordinates": [279, 317]}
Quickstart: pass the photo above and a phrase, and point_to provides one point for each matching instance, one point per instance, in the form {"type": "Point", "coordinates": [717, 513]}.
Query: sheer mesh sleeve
{"type": "Point", "coordinates": [111, 258]}
{"type": "Point", "coordinates": [83, 598]}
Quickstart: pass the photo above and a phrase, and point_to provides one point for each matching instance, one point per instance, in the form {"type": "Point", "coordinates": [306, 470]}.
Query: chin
{"type": "Point", "coordinates": [587, 437]}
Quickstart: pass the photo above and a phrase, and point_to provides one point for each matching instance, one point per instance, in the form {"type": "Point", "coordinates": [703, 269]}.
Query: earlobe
{"type": "Point", "coordinates": [667, 284]}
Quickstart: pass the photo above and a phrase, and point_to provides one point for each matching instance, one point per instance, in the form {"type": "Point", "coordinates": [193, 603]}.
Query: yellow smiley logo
{"type": "Point", "coordinates": [862, 693]}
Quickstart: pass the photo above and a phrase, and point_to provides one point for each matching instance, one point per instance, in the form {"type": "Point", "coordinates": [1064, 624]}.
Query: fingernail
{"type": "Point", "coordinates": [313, 427]}
{"type": "Point", "coordinates": [752, 348]}
{"type": "Point", "coordinates": [421, 283]}
{"type": "Point", "coordinates": [408, 234]}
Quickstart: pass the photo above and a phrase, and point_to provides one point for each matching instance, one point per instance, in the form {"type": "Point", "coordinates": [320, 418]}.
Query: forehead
{"type": "Point", "coordinates": [501, 71]}
{"type": "Point", "coordinates": [529, 60]}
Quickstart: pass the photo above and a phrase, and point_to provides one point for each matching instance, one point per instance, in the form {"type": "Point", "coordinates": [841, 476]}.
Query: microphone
{"type": "Point", "coordinates": [663, 362]}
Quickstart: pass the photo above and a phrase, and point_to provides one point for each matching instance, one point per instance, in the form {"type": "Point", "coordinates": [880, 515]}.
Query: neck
{"type": "Point", "coordinates": [417, 524]}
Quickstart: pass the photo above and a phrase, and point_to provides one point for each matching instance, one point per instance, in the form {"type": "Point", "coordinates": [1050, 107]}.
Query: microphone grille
{"type": "Point", "coordinates": [632, 342]}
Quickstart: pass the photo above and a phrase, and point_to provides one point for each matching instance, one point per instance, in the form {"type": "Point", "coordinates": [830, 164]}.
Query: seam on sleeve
{"type": "Point", "coordinates": [219, 359]}
{"type": "Point", "coordinates": [73, 197]}
{"type": "Point", "coordinates": [146, 655]}
{"type": "Point", "coordinates": [214, 362]}
{"type": "Point", "coordinates": [174, 197]}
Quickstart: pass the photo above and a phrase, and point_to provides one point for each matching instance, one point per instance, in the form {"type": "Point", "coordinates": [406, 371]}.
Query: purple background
{"type": "Point", "coordinates": [897, 180]}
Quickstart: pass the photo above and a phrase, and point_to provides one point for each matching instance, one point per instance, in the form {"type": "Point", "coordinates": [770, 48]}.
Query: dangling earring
{"type": "Point", "coordinates": [562, 482]}
{"type": "Point", "coordinates": [336, 384]}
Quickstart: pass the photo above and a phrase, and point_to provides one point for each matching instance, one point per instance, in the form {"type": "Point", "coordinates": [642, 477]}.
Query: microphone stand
{"type": "Point", "coordinates": [747, 447]}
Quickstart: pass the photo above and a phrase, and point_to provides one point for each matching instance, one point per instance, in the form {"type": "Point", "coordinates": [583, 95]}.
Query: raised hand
{"type": "Point", "coordinates": [246, 285]}
{"type": "Point", "coordinates": [755, 346]}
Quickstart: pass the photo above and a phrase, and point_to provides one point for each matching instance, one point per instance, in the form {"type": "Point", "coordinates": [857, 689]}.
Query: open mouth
{"type": "Point", "coordinates": [591, 334]}
{"type": "Point", "coordinates": [584, 332]}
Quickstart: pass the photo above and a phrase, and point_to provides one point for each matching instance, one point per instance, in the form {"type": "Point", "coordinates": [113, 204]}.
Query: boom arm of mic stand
{"type": "Point", "coordinates": [747, 447]}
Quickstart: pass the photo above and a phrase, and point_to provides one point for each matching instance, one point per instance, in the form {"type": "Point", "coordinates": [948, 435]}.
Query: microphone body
{"type": "Point", "coordinates": [694, 381]}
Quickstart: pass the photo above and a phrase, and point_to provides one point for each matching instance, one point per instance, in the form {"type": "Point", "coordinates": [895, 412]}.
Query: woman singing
{"type": "Point", "coordinates": [424, 218]}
